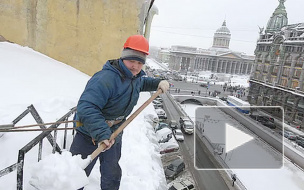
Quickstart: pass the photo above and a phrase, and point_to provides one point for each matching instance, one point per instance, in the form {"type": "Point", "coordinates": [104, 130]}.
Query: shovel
{"type": "Point", "coordinates": [71, 179]}
{"type": "Point", "coordinates": [121, 128]}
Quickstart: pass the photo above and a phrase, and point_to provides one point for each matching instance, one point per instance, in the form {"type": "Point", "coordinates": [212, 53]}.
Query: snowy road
{"type": "Point", "coordinates": [211, 179]}
{"type": "Point", "coordinates": [287, 177]}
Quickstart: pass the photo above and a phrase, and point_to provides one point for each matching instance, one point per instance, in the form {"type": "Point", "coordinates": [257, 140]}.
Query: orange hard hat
{"type": "Point", "coordinates": [138, 43]}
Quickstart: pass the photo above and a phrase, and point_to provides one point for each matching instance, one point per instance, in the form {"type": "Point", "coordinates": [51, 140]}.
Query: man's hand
{"type": "Point", "coordinates": [163, 85]}
{"type": "Point", "coordinates": [107, 144]}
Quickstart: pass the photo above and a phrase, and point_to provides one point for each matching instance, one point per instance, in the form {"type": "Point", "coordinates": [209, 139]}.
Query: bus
{"type": "Point", "coordinates": [240, 105]}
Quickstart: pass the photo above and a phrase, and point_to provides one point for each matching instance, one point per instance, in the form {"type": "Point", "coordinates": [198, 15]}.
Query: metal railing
{"type": "Point", "coordinates": [39, 139]}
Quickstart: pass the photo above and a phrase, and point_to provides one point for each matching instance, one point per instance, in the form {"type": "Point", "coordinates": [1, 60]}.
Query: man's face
{"type": "Point", "coordinates": [134, 66]}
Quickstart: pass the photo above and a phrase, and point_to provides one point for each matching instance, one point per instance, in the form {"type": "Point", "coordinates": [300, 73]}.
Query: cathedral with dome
{"type": "Point", "coordinates": [218, 58]}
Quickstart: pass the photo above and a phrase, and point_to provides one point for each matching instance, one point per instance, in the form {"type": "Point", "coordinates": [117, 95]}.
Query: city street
{"type": "Point", "coordinates": [186, 88]}
{"type": "Point", "coordinates": [205, 179]}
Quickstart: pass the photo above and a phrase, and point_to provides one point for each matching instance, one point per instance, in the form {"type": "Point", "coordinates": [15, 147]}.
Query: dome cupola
{"type": "Point", "coordinates": [223, 29]}
{"type": "Point", "coordinates": [278, 19]}
{"type": "Point", "coordinates": [221, 38]}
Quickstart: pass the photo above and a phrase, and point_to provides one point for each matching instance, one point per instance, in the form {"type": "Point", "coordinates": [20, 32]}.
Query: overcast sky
{"type": "Point", "coordinates": [193, 22]}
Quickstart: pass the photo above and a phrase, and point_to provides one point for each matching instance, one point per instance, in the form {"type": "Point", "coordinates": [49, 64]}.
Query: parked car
{"type": "Point", "coordinates": [216, 92]}
{"type": "Point", "coordinates": [171, 145]}
{"type": "Point", "coordinates": [161, 125]}
{"type": "Point", "coordinates": [157, 104]}
{"type": "Point", "coordinates": [174, 168]}
{"type": "Point", "coordinates": [269, 124]}
{"type": "Point", "coordinates": [173, 124]}
{"type": "Point", "coordinates": [161, 113]}
{"type": "Point", "coordinates": [204, 85]}
{"type": "Point", "coordinates": [164, 140]}
{"type": "Point", "coordinates": [182, 185]}
{"type": "Point", "coordinates": [224, 99]}
{"type": "Point", "coordinates": [178, 134]}
{"type": "Point", "coordinates": [261, 118]}
{"type": "Point", "coordinates": [265, 120]}
{"type": "Point", "coordinates": [159, 99]}
{"type": "Point", "coordinates": [300, 141]}
{"type": "Point", "coordinates": [169, 149]}
{"type": "Point", "coordinates": [300, 137]}
{"type": "Point", "coordinates": [290, 135]}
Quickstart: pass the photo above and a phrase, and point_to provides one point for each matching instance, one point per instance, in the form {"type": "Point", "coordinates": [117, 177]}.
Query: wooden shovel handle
{"type": "Point", "coordinates": [102, 147]}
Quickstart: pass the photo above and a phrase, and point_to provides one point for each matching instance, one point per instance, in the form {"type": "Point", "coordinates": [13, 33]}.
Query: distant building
{"type": "Point", "coordinates": [219, 58]}
{"type": "Point", "coordinates": [278, 73]}
{"type": "Point", "coordinates": [161, 55]}
{"type": "Point", "coordinates": [164, 55]}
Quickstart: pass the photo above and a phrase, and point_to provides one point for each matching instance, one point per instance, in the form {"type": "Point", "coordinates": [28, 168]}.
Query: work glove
{"type": "Point", "coordinates": [107, 143]}
{"type": "Point", "coordinates": [163, 85]}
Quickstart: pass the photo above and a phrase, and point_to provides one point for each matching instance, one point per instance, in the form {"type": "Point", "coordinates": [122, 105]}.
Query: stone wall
{"type": "Point", "coordinates": [80, 33]}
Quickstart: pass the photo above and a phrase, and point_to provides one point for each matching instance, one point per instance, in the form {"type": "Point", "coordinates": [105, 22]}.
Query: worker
{"type": "Point", "coordinates": [107, 100]}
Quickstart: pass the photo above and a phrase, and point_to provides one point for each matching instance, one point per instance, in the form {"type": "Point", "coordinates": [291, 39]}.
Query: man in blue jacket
{"type": "Point", "coordinates": [109, 97]}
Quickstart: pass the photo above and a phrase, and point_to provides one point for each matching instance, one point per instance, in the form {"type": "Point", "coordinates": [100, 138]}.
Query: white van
{"type": "Point", "coordinates": [186, 124]}
{"type": "Point", "coordinates": [188, 127]}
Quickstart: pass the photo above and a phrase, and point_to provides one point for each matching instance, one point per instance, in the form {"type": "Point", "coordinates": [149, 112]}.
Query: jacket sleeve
{"type": "Point", "coordinates": [149, 84]}
{"type": "Point", "coordinates": [92, 101]}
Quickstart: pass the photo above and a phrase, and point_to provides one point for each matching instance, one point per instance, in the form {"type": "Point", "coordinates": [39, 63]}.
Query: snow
{"type": "Point", "coordinates": [204, 76]}
{"type": "Point", "coordinates": [28, 77]}
{"type": "Point", "coordinates": [162, 133]}
{"type": "Point", "coordinates": [155, 65]}
{"type": "Point", "coordinates": [73, 178]}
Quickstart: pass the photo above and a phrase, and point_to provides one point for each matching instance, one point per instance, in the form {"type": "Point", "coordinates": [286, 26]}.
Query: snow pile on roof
{"type": "Point", "coordinates": [141, 162]}
{"type": "Point", "coordinates": [60, 171]}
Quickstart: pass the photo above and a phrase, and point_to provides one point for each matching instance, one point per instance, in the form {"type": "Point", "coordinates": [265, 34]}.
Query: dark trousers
{"type": "Point", "coordinates": [109, 168]}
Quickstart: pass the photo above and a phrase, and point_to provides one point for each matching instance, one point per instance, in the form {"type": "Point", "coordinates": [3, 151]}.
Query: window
{"type": "Point", "coordinates": [265, 78]}
{"type": "Point", "coordinates": [259, 67]}
{"type": "Point", "coordinates": [300, 62]}
{"type": "Point", "coordinates": [297, 73]}
{"type": "Point", "coordinates": [267, 60]}
{"type": "Point", "coordinates": [275, 69]}
{"type": "Point", "coordinates": [294, 84]}
{"type": "Point", "coordinates": [299, 116]}
{"type": "Point", "coordinates": [287, 49]}
{"type": "Point", "coordinates": [272, 80]}
{"type": "Point", "coordinates": [261, 48]}
{"type": "Point", "coordinates": [284, 82]}
{"type": "Point", "coordinates": [264, 68]}
{"type": "Point", "coordinates": [259, 58]}
{"type": "Point", "coordinates": [286, 71]}
{"type": "Point", "coordinates": [288, 61]}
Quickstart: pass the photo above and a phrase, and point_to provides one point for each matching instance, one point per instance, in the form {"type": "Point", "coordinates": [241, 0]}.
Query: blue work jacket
{"type": "Point", "coordinates": [110, 94]}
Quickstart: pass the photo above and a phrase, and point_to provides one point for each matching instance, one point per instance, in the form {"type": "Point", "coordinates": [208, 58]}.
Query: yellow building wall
{"type": "Point", "coordinates": [80, 33]}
